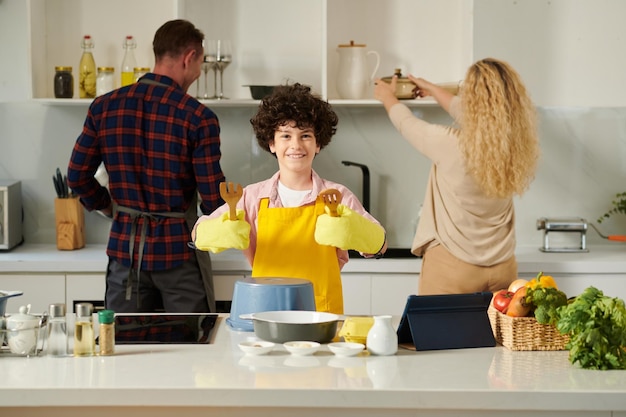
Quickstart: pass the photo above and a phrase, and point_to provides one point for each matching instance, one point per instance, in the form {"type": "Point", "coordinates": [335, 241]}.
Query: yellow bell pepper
{"type": "Point", "coordinates": [542, 281]}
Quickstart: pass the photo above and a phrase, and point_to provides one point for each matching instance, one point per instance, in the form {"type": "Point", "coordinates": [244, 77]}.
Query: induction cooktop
{"type": "Point", "coordinates": [164, 328]}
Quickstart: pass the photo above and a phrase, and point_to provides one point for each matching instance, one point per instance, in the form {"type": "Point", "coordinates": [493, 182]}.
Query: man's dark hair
{"type": "Point", "coordinates": [175, 38]}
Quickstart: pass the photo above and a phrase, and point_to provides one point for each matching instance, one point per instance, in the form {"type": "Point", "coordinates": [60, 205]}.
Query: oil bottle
{"type": "Point", "coordinates": [129, 63]}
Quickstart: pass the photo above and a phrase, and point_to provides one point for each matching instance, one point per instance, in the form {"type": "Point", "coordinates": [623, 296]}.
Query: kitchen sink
{"type": "Point", "coordinates": [391, 253]}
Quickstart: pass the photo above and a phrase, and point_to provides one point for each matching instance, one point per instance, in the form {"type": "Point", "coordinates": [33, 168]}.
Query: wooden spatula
{"type": "Point", "coordinates": [331, 198]}
{"type": "Point", "coordinates": [231, 193]}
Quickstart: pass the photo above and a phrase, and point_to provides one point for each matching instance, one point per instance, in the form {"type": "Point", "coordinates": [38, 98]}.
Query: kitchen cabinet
{"type": "Point", "coordinates": [377, 294]}
{"type": "Point", "coordinates": [612, 285]}
{"type": "Point", "coordinates": [301, 46]}
{"type": "Point", "coordinates": [40, 290]}
{"type": "Point", "coordinates": [88, 288]}
{"type": "Point", "coordinates": [389, 292]}
{"type": "Point", "coordinates": [357, 294]}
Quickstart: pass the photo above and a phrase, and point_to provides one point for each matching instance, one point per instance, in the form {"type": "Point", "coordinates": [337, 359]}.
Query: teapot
{"type": "Point", "coordinates": [353, 77]}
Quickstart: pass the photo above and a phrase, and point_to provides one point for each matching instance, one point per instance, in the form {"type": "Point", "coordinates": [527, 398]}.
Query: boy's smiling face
{"type": "Point", "coordinates": [294, 148]}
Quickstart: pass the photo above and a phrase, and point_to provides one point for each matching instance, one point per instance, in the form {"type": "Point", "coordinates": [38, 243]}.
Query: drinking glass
{"type": "Point", "coordinates": [210, 60]}
{"type": "Point", "coordinates": [223, 59]}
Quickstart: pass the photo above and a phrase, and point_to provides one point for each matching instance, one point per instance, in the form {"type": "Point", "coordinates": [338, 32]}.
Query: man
{"type": "Point", "coordinates": [161, 148]}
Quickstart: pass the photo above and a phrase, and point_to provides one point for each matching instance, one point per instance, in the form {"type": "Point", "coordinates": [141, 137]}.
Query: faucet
{"type": "Point", "coordinates": [366, 182]}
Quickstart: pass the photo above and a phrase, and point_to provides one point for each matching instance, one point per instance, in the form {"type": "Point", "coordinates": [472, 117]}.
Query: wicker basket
{"type": "Point", "coordinates": [524, 333]}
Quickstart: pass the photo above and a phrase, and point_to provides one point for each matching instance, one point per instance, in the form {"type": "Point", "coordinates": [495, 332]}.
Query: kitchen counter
{"type": "Point", "coordinates": [30, 258]}
{"type": "Point", "coordinates": [188, 380]}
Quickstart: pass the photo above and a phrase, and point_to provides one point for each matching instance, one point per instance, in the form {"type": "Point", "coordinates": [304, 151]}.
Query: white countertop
{"type": "Point", "coordinates": [606, 259]}
{"type": "Point", "coordinates": [220, 376]}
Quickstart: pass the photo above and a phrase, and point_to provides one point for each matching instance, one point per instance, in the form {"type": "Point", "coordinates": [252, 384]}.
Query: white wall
{"type": "Point", "coordinates": [583, 147]}
{"type": "Point", "coordinates": [568, 51]}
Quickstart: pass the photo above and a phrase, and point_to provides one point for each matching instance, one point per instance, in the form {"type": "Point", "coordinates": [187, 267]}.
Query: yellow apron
{"type": "Point", "coordinates": [286, 247]}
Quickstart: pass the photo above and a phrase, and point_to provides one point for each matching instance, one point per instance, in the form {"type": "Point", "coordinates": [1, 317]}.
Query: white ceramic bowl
{"type": "Point", "coordinates": [256, 347]}
{"type": "Point", "coordinates": [346, 348]}
{"type": "Point", "coordinates": [301, 348]}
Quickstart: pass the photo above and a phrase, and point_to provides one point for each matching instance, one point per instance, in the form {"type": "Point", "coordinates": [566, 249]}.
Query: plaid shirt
{"type": "Point", "coordinates": [159, 145]}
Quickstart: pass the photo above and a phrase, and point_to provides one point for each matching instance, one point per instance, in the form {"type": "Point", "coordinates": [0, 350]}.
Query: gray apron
{"type": "Point", "coordinates": [203, 258]}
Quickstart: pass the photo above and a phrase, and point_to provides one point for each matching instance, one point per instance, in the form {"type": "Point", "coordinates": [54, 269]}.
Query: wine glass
{"type": "Point", "coordinates": [204, 93]}
{"type": "Point", "coordinates": [224, 58]}
{"type": "Point", "coordinates": [210, 60]}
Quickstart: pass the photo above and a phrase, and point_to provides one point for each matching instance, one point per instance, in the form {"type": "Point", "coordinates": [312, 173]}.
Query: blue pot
{"type": "Point", "coordinates": [254, 295]}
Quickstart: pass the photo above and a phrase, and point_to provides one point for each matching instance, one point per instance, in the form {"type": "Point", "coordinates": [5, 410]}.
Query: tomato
{"type": "Point", "coordinates": [517, 284]}
{"type": "Point", "coordinates": [501, 300]}
{"type": "Point", "coordinates": [518, 306]}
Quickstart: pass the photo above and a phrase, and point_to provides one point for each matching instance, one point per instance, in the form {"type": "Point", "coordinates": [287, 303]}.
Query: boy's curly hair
{"type": "Point", "coordinates": [294, 103]}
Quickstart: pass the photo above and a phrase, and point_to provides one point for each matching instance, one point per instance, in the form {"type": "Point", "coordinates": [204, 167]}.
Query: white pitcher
{"type": "Point", "coordinates": [353, 78]}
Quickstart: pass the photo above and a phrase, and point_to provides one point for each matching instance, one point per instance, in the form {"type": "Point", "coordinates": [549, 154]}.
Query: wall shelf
{"type": "Point", "coordinates": [296, 50]}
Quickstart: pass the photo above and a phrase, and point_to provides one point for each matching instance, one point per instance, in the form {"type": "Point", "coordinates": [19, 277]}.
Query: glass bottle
{"type": "Point", "coordinates": [128, 63]}
{"type": "Point", "coordinates": [107, 332]}
{"type": "Point", "coordinates": [87, 70]}
{"type": "Point", "coordinates": [56, 335]}
{"type": "Point", "coordinates": [63, 82]}
{"type": "Point", "coordinates": [105, 81]}
{"type": "Point", "coordinates": [84, 338]}
{"type": "Point", "coordinates": [382, 339]}
{"type": "Point", "coordinates": [140, 72]}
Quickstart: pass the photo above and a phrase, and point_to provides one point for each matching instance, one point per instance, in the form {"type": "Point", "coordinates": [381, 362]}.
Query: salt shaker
{"type": "Point", "coordinates": [56, 336]}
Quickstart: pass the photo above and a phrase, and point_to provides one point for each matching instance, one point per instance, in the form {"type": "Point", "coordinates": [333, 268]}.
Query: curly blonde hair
{"type": "Point", "coordinates": [498, 135]}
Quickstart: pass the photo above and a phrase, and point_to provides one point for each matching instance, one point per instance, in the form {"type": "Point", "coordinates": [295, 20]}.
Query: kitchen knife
{"type": "Point", "coordinates": [57, 189]}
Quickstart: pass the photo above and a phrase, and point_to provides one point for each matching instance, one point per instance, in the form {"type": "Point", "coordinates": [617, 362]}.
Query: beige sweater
{"type": "Point", "coordinates": [456, 214]}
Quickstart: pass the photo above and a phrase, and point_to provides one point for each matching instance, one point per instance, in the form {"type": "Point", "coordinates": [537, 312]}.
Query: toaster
{"type": "Point", "coordinates": [11, 215]}
{"type": "Point", "coordinates": [563, 234]}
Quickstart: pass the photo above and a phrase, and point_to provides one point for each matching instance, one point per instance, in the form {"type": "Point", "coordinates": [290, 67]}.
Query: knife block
{"type": "Point", "coordinates": [70, 223]}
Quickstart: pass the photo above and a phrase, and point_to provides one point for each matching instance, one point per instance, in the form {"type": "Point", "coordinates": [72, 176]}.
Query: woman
{"type": "Point", "coordinates": [466, 232]}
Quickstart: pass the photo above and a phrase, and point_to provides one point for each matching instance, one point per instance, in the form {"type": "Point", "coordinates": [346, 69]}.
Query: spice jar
{"type": "Point", "coordinates": [105, 81]}
{"type": "Point", "coordinates": [140, 72]}
{"type": "Point", "coordinates": [106, 339]}
{"type": "Point", "coordinates": [63, 82]}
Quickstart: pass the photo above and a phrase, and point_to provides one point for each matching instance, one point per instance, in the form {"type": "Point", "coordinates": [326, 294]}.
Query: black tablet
{"type": "Point", "coordinates": [448, 321]}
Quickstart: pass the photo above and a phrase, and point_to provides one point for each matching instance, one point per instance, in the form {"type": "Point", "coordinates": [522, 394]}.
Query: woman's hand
{"type": "Point", "coordinates": [422, 88]}
{"type": "Point", "coordinates": [427, 89]}
{"type": "Point", "coordinates": [385, 92]}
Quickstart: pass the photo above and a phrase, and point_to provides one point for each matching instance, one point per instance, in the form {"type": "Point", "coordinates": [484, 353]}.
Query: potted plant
{"type": "Point", "coordinates": [619, 206]}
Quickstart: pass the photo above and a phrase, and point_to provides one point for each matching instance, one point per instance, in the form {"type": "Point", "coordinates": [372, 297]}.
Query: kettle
{"type": "Point", "coordinates": [353, 77]}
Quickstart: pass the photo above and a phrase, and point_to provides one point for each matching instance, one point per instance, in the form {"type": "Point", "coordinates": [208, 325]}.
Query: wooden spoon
{"type": "Point", "coordinates": [231, 193]}
{"type": "Point", "coordinates": [331, 198]}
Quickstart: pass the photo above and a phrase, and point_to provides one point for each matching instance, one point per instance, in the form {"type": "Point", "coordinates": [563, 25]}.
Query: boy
{"type": "Point", "coordinates": [282, 224]}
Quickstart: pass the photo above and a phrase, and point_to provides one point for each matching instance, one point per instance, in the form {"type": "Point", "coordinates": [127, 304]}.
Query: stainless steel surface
{"type": "Point", "coordinates": [11, 216]}
{"type": "Point", "coordinates": [570, 225]}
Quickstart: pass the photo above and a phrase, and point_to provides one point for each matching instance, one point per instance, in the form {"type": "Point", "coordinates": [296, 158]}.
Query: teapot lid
{"type": "Point", "coordinates": [353, 45]}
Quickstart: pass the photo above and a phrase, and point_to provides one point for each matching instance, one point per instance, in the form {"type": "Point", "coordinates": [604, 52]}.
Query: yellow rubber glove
{"type": "Point", "coordinates": [217, 235]}
{"type": "Point", "coordinates": [349, 230]}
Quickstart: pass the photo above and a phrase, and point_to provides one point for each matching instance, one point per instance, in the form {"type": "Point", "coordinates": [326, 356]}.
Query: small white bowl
{"type": "Point", "coordinates": [256, 347]}
{"type": "Point", "coordinates": [346, 349]}
{"type": "Point", "coordinates": [301, 348]}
